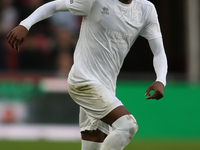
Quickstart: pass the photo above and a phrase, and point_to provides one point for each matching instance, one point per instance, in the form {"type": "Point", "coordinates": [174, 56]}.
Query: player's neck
{"type": "Point", "coordinates": [126, 1]}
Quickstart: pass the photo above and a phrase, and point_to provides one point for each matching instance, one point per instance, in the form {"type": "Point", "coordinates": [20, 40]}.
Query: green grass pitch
{"type": "Point", "coordinates": [134, 145]}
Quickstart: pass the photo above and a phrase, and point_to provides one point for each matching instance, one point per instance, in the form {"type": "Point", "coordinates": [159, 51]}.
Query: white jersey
{"type": "Point", "coordinates": [109, 29]}
{"type": "Point", "coordinates": [106, 36]}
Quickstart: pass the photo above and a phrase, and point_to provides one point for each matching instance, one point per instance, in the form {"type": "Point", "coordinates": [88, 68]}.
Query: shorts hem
{"type": "Point", "coordinates": [91, 128]}
{"type": "Point", "coordinates": [119, 103]}
{"type": "Point", "coordinates": [104, 131]}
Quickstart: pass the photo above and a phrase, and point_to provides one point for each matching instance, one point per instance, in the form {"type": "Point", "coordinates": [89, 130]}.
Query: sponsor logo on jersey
{"type": "Point", "coordinates": [105, 11]}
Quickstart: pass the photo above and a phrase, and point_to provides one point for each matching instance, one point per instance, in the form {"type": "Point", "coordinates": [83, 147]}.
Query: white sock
{"type": "Point", "coordinates": [89, 145]}
{"type": "Point", "coordinates": [124, 129]}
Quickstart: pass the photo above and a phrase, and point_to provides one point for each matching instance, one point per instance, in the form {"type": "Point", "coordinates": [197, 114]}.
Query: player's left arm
{"type": "Point", "coordinates": [152, 33]}
{"type": "Point", "coordinates": [160, 66]}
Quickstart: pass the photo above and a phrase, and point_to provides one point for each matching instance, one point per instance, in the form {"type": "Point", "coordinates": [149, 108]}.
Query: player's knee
{"type": "Point", "coordinates": [126, 124]}
{"type": "Point", "coordinates": [131, 126]}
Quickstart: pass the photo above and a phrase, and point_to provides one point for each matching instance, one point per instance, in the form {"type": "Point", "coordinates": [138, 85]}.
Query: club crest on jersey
{"type": "Point", "coordinates": [136, 16]}
{"type": "Point", "coordinates": [105, 11]}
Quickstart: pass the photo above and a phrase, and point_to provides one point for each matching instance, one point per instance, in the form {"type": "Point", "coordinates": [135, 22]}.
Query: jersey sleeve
{"type": "Point", "coordinates": [151, 28]}
{"type": "Point", "coordinates": [76, 7]}
{"type": "Point", "coordinates": [79, 7]}
{"type": "Point", "coordinates": [43, 12]}
{"type": "Point", "coordinates": [159, 59]}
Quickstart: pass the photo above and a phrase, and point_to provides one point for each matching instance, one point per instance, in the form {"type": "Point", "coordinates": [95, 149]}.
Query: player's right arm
{"type": "Point", "coordinates": [77, 7]}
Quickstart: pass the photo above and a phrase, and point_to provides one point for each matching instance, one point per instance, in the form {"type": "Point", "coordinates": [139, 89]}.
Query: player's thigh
{"type": "Point", "coordinates": [115, 114]}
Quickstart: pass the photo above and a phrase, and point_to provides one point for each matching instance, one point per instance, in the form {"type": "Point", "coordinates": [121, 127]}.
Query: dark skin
{"type": "Point", "coordinates": [16, 37]}
{"type": "Point", "coordinates": [126, 1]}
{"type": "Point", "coordinates": [158, 89]}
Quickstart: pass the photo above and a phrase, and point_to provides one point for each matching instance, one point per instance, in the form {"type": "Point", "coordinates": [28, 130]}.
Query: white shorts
{"type": "Point", "coordinates": [95, 101]}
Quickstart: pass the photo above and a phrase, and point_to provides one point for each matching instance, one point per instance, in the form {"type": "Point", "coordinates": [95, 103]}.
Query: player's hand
{"type": "Point", "coordinates": [158, 89]}
{"type": "Point", "coordinates": [16, 36]}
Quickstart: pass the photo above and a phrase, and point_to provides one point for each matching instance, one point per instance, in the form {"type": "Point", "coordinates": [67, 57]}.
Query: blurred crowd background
{"type": "Point", "coordinates": [33, 81]}
{"type": "Point", "coordinates": [49, 45]}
